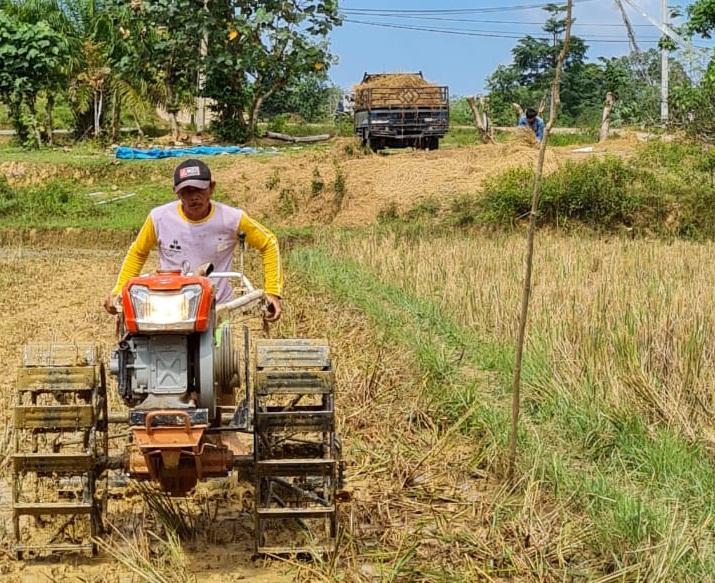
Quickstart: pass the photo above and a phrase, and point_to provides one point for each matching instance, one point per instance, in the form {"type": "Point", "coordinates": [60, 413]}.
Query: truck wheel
{"type": "Point", "coordinates": [433, 143]}
{"type": "Point", "coordinates": [374, 144]}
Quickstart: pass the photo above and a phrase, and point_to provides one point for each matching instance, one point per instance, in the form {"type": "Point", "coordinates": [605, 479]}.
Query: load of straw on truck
{"type": "Point", "coordinates": [400, 110]}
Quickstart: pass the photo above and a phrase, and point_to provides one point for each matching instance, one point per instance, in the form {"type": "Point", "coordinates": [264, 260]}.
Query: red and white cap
{"type": "Point", "coordinates": [192, 173]}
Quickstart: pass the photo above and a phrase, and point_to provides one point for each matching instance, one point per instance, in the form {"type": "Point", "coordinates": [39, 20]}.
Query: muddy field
{"type": "Point", "coordinates": [55, 295]}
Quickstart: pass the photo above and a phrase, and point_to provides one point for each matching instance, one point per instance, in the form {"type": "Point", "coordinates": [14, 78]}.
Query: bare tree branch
{"type": "Point", "coordinates": [526, 292]}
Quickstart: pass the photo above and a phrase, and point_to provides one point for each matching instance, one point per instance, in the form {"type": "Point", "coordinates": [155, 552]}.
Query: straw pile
{"type": "Point", "coordinates": [395, 89]}
{"type": "Point", "coordinates": [525, 136]}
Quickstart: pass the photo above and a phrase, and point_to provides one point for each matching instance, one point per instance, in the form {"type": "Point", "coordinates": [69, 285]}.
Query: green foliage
{"type": "Point", "coordinates": [527, 80]}
{"type": "Point", "coordinates": [599, 193]}
{"type": "Point", "coordinates": [581, 138]}
{"type": "Point", "coordinates": [507, 197]}
{"type": "Point", "coordinates": [137, 55]}
{"type": "Point", "coordinates": [428, 208]}
{"type": "Point", "coordinates": [701, 14]}
{"type": "Point", "coordinates": [273, 180]}
{"type": "Point", "coordinates": [466, 211]}
{"type": "Point", "coordinates": [706, 163]}
{"type": "Point", "coordinates": [344, 125]}
{"type": "Point", "coordinates": [661, 155]}
{"type": "Point", "coordinates": [258, 48]}
{"type": "Point", "coordinates": [287, 202]}
{"type": "Point", "coordinates": [278, 123]}
{"type": "Point", "coordinates": [32, 57]}
{"type": "Point", "coordinates": [339, 185]}
{"type": "Point", "coordinates": [459, 112]}
{"type": "Point", "coordinates": [161, 47]}
{"type": "Point", "coordinates": [44, 203]}
{"type": "Point", "coordinates": [9, 200]}
{"type": "Point", "coordinates": [461, 136]}
{"type": "Point", "coordinates": [307, 97]}
{"type": "Point", "coordinates": [317, 184]}
{"type": "Point", "coordinates": [668, 189]}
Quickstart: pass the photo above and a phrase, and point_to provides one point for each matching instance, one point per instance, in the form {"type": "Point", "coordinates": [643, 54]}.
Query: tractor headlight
{"type": "Point", "coordinates": [165, 310]}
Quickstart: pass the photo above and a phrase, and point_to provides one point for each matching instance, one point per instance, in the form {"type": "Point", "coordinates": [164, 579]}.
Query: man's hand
{"type": "Point", "coordinates": [274, 308]}
{"type": "Point", "coordinates": [109, 304]}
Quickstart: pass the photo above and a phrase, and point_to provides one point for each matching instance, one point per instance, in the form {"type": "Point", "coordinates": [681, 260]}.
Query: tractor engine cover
{"type": "Point", "coordinates": [175, 371]}
{"type": "Point", "coordinates": [153, 371]}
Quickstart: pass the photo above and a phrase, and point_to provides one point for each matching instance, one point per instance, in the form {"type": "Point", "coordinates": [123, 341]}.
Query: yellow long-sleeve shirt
{"type": "Point", "coordinates": [212, 239]}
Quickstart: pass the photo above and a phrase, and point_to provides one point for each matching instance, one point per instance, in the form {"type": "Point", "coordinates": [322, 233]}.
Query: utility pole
{"type": "Point", "coordinates": [664, 69]}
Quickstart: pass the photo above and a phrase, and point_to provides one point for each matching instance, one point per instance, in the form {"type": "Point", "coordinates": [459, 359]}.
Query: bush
{"type": "Point", "coordinates": [507, 197]}
{"type": "Point", "coordinates": [9, 200]}
{"type": "Point", "coordinates": [598, 193]}
{"type": "Point", "coordinates": [55, 199]}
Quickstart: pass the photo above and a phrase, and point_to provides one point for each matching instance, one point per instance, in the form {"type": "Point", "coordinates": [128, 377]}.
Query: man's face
{"type": "Point", "coordinates": [196, 202]}
{"type": "Point", "coordinates": [531, 119]}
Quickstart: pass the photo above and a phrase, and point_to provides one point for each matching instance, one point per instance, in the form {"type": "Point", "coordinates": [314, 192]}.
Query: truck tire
{"type": "Point", "coordinates": [433, 143]}
{"type": "Point", "coordinates": [374, 144]}
{"type": "Point", "coordinates": [365, 139]}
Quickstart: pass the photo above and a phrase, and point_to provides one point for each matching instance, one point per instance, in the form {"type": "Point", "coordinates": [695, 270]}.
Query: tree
{"type": "Point", "coordinates": [694, 106]}
{"type": "Point", "coordinates": [162, 49]}
{"type": "Point", "coordinates": [528, 79]}
{"type": "Point", "coordinates": [92, 38]}
{"type": "Point", "coordinates": [701, 18]}
{"type": "Point", "coordinates": [258, 47]}
{"type": "Point", "coordinates": [309, 97]}
{"type": "Point", "coordinates": [32, 56]}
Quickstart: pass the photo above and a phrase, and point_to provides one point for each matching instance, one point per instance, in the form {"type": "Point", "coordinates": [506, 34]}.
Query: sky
{"type": "Point", "coordinates": [459, 43]}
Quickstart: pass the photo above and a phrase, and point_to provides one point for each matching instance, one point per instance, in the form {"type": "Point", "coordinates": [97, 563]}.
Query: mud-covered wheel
{"type": "Point", "coordinates": [295, 447]}
{"type": "Point", "coordinates": [61, 442]}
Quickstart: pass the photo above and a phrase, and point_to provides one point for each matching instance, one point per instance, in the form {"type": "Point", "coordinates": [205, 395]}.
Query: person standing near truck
{"type": "Point", "coordinates": [533, 122]}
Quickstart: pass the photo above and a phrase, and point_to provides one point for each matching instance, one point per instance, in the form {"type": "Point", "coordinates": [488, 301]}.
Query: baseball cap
{"type": "Point", "coordinates": [192, 173]}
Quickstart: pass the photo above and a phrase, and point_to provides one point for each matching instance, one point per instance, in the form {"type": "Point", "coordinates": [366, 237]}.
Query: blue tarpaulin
{"type": "Point", "coordinates": [127, 153]}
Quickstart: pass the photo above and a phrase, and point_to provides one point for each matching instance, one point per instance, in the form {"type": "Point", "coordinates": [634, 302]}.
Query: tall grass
{"type": "Point", "coordinates": [619, 378]}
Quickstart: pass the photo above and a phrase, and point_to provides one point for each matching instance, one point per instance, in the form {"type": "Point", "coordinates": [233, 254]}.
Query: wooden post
{"type": "Point", "coordinates": [481, 118]}
{"type": "Point", "coordinates": [529, 261]}
{"type": "Point", "coordinates": [606, 119]}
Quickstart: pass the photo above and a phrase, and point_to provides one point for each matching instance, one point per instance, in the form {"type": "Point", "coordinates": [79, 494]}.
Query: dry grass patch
{"type": "Point", "coordinates": [633, 317]}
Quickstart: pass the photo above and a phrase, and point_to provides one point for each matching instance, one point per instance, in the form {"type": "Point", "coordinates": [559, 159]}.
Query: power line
{"type": "Point", "coordinates": [482, 33]}
{"type": "Point", "coordinates": [360, 12]}
{"type": "Point", "coordinates": [513, 8]}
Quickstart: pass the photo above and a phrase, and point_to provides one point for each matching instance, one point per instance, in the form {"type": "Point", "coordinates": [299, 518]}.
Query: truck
{"type": "Point", "coordinates": [400, 110]}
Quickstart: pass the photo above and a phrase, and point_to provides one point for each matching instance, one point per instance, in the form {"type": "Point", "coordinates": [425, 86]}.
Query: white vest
{"type": "Point", "coordinates": [211, 240]}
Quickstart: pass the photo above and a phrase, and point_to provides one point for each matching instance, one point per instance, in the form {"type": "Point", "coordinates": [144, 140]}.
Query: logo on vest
{"type": "Point", "coordinates": [175, 246]}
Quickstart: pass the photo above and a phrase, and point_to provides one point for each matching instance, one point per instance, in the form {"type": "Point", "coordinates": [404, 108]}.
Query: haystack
{"type": "Point", "coordinates": [393, 89]}
{"type": "Point", "coordinates": [524, 136]}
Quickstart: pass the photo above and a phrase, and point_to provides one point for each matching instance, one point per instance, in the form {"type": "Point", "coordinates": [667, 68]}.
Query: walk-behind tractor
{"type": "Point", "coordinates": [201, 404]}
